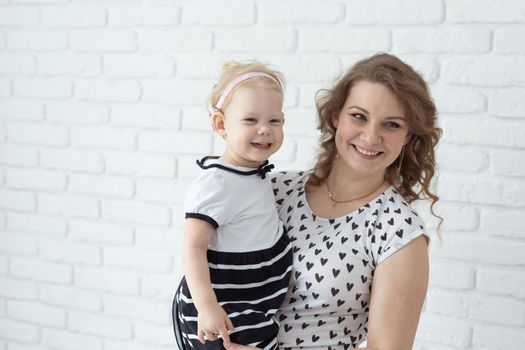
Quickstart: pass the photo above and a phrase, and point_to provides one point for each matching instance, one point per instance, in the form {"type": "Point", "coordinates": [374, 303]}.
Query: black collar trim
{"type": "Point", "coordinates": [262, 170]}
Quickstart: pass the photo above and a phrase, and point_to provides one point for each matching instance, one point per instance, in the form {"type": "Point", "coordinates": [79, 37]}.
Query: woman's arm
{"type": "Point", "coordinates": [212, 319]}
{"type": "Point", "coordinates": [398, 291]}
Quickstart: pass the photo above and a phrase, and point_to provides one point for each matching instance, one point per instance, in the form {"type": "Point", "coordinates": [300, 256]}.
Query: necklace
{"type": "Point", "coordinates": [335, 202]}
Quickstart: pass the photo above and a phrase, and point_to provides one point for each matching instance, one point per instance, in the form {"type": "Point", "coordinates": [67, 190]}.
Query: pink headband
{"type": "Point", "coordinates": [239, 80]}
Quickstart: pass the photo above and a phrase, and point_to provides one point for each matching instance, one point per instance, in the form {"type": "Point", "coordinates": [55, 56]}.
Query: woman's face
{"type": "Point", "coordinates": [371, 129]}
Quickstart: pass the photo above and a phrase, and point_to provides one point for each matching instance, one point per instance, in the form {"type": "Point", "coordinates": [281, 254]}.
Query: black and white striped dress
{"type": "Point", "coordinates": [249, 257]}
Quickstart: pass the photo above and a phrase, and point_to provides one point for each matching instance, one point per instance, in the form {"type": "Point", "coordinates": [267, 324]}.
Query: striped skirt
{"type": "Point", "coordinates": [250, 287]}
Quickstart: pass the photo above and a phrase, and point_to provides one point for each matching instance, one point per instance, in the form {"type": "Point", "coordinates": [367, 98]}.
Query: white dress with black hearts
{"type": "Point", "coordinates": [327, 303]}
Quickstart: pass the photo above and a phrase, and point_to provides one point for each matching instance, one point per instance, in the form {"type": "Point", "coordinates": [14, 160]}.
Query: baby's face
{"type": "Point", "coordinates": [253, 124]}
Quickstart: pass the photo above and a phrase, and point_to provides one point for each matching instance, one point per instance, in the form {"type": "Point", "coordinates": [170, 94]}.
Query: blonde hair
{"type": "Point", "coordinates": [232, 69]}
{"type": "Point", "coordinates": [413, 176]}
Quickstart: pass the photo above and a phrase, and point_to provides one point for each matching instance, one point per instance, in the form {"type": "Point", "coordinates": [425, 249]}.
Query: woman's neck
{"type": "Point", "coordinates": [345, 184]}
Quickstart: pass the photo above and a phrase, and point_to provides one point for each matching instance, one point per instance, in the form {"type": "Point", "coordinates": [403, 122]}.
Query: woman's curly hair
{"type": "Point", "coordinates": [412, 178]}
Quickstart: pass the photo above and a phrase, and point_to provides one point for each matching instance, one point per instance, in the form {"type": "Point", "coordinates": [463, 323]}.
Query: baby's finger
{"type": "Point", "coordinates": [210, 335]}
{"type": "Point", "coordinates": [229, 325]}
{"type": "Point", "coordinates": [224, 335]}
{"type": "Point", "coordinates": [200, 334]}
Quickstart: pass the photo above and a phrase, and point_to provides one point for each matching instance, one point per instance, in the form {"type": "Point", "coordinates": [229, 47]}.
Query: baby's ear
{"type": "Point", "coordinates": [217, 122]}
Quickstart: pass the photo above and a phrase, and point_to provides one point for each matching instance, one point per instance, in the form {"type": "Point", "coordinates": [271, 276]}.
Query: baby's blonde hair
{"type": "Point", "coordinates": [232, 69]}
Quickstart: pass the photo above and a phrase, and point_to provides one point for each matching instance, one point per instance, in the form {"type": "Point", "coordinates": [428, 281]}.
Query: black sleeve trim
{"type": "Point", "coordinates": [206, 218]}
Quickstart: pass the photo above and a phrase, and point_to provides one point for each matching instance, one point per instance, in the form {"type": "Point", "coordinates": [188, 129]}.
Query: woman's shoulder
{"type": "Point", "coordinates": [399, 201]}
{"type": "Point", "coordinates": [289, 179]}
{"type": "Point", "coordinates": [396, 222]}
{"type": "Point", "coordinates": [395, 205]}
{"type": "Point", "coordinates": [284, 183]}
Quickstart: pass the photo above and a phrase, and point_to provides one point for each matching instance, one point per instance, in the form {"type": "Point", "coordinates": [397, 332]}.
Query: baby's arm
{"type": "Point", "coordinates": [212, 319]}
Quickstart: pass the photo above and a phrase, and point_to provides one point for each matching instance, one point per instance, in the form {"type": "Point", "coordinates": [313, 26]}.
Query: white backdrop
{"type": "Point", "coordinates": [102, 116]}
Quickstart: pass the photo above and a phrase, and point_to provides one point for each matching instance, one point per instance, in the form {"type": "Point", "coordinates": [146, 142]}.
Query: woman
{"type": "Point", "coordinates": [360, 250]}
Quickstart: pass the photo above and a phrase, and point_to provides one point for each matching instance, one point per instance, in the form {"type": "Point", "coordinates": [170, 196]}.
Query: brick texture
{"type": "Point", "coordinates": [103, 113]}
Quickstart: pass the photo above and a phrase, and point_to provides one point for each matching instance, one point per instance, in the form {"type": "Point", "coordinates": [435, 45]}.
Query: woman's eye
{"type": "Point", "coordinates": [393, 125]}
{"type": "Point", "coordinates": [358, 116]}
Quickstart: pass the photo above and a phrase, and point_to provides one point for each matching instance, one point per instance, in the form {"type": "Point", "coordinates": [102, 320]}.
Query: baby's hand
{"type": "Point", "coordinates": [212, 322]}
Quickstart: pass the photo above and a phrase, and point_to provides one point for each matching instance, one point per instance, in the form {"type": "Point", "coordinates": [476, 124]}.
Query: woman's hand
{"type": "Point", "coordinates": [213, 321]}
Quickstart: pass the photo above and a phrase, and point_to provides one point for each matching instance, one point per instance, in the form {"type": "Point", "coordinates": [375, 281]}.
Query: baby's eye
{"type": "Point", "coordinates": [250, 120]}
{"type": "Point", "coordinates": [276, 121]}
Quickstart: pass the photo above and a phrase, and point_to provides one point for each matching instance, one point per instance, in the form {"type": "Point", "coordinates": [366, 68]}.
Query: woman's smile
{"type": "Point", "coordinates": [366, 152]}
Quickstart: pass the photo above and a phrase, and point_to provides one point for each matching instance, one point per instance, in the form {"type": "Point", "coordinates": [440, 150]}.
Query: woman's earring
{"type": "Point", "coordinates": [400, 160]}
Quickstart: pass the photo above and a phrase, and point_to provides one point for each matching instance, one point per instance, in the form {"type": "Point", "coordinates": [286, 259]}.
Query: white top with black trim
{"type": "Point", "coordinates": [334, 260]}
{"type": "Point", "coordinates": [238, 202]}
{"type": "Point", "coordinates": [249, 257]}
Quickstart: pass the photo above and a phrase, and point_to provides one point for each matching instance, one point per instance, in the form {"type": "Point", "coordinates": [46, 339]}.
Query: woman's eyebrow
{"type": "Point", "coordinates": [396, 118]}
{"type": "Point", "coordinates": [357, 107]}
{"type": "Point", "coordinates": [365, 111]}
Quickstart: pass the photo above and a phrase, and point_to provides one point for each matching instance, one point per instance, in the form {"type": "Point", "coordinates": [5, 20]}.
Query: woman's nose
{"type": "Point", "coordinates": [371, 134]}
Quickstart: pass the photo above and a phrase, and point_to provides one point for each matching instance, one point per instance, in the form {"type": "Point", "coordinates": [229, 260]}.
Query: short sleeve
{"type": "Point", "coordinates": [209, 199]}
{"type": "Point", "coordinates": [401, 224]}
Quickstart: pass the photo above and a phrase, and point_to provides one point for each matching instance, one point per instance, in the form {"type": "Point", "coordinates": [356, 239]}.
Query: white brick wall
{"type": "Point", "coordinates": [102, 116]}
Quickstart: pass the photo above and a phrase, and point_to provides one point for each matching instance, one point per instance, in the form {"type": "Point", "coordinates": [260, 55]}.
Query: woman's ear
{"type": "Point", "coordinates": [407, 139]}
{"type": "Point", "coordinates": [335, 121]}
{"type": "Point", "coordinates": [217, 121]}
